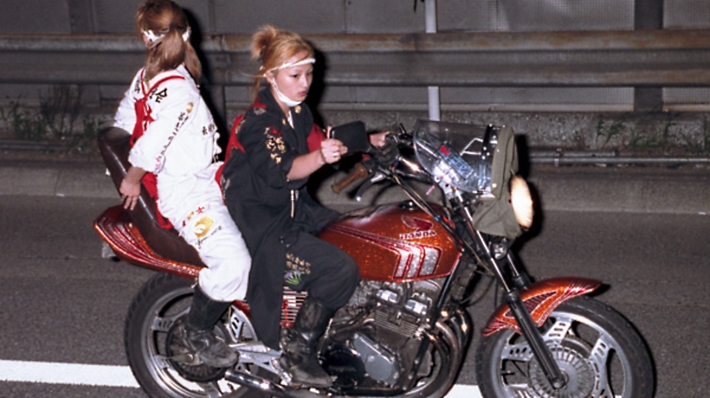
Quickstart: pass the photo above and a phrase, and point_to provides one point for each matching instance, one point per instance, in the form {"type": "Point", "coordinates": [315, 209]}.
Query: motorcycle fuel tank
{"type": "Point", "coordinates": [395, 243]}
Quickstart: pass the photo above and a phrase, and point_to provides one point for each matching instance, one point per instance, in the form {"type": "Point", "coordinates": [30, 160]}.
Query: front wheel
{"type": "Point", "coordinates": [598, 351]}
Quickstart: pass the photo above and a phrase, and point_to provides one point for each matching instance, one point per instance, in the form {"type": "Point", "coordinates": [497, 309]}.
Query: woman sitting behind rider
{"type": "Point", "coordinates": [275, 149]}
{"type": "Point", "coordinates": [175, 138]}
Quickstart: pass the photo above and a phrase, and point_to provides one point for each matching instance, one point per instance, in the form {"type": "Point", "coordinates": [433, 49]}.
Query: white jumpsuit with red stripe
{"type": "Point", "coordinates": [179, 145]}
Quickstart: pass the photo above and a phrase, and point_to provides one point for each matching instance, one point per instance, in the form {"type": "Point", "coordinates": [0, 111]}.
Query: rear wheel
{"type": "Point", "coordinates": [600, 354]}
{"type": "Point", "coordinates": [150, 344]}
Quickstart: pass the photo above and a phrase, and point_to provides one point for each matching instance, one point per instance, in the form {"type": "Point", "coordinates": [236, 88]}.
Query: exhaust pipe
{"type": "Point", "coordinates": [267, 386]}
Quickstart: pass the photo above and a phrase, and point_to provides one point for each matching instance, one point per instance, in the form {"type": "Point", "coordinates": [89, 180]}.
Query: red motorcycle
{"type": "Point", "coordinates": [405, 331]}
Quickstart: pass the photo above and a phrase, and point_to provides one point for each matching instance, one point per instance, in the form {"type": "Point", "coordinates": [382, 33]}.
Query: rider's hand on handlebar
{"type": "Point", "coordinates": [387, 152]}
{"type": "Point", "coordinates": [379, 140]}
{"type": "Point", "coordinates": [331, 150]}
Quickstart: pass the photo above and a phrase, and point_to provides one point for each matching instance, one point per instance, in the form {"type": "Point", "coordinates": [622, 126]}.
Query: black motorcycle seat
{"type": "Point", "coordinates": [114, 146]}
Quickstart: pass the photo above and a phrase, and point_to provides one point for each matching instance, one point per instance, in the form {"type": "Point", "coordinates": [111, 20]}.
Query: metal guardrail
{"type": "Point", "coordinates": [535, 156]}
{"type": "Point", "coordinates": [651, 58]}
{"type": "Point", "coordinates": [572, 157]}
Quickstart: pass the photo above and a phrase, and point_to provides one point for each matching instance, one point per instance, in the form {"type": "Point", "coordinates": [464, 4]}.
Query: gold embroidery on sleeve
{"type": "Point", "coordinates": [275, 145]}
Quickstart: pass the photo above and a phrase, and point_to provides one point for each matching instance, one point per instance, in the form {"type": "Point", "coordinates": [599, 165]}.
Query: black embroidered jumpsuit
{"type": "Point", "coordinates": [279, 219]}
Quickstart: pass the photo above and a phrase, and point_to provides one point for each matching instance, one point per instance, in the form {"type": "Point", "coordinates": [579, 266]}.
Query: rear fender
{"type": "Point", "coordinates": [540, 299]}
{"type": "Point", "coordinates": [116, 229]}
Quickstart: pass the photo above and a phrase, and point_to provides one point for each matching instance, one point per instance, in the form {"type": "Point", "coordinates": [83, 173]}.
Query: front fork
{"type": "Point", "coordinates": [529, 306]}
{"type": "Point", "coordinates": [534, 338]}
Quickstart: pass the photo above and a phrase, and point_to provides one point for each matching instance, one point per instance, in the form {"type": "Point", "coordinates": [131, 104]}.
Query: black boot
{"type": "Point", "coordinates": [204, 313]}
{"type": "Point", "coordinates": [300, 345]}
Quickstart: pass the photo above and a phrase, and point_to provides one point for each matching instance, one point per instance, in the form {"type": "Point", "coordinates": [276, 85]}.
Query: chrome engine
{"type": "Point", "coordinates": [375, 337]}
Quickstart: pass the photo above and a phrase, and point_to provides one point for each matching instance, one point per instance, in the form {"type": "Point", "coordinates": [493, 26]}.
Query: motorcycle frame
{"type": "Point", "coordinates": [527, 306]}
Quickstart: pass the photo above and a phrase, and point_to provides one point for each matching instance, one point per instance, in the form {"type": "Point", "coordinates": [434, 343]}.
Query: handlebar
{"type": "Point", "coordinates": [379, 161]}
{"type": "Point", "coordinates": [358, 172]}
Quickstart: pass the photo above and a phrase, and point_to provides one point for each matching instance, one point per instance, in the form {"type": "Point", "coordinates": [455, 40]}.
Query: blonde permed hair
{"type": "Point", "coordinates": [273, 47]}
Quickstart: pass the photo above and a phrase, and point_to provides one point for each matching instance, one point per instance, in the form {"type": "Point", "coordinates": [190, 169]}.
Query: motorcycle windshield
{"type": "Point", "coordinates": [456, 154]}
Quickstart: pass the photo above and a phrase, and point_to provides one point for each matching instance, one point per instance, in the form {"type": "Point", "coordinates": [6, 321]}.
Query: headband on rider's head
{"type": "Point", "coordinates": [304, 61]}
{"type": "Point", "coordinates": [151, 36]}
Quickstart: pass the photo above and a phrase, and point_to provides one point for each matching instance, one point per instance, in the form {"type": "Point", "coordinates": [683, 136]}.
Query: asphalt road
{"type": "Point", "coordinates": [61, 302]}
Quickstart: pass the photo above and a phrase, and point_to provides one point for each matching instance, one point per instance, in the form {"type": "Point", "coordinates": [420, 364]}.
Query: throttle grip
{"type": "Point", "coordinates": [359, 171]}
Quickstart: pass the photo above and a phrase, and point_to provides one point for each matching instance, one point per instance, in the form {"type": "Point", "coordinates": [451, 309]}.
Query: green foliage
{"type": "Point", "coordinates": [650, 136]}
{"type": "Point", "coordinates": [22, 123]}
{"type": "Point", "coordinates": [614, 132]}
{"type": "Point", "coordinates": [695, 148]}
{"type": "Point", "coordinates": [54, 122]}
{"type": "Point", "coordinates": [59, 110]}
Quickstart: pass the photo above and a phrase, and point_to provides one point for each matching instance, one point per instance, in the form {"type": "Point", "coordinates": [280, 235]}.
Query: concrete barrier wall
{"type": "Point", "coordinates": [361, 16]}
{"type": "Point", "coordinates": [503, 61]}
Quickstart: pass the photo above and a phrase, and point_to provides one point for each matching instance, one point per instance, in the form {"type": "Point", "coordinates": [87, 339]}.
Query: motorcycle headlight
{"type": "Point", "coordinates": [521, 201]}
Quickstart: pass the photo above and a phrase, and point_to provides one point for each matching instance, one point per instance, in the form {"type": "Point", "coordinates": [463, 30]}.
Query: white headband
{"type": "Point", "coordinates": [304, 61]}
{"type": "Point", "coordinates": [153, 37]}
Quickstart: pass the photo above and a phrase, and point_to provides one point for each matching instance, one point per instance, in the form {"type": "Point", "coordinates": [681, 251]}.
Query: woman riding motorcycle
{"type": "Point", "coordinates": [276, 148]}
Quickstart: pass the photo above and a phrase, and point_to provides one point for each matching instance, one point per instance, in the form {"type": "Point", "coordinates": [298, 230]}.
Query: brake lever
{"type": "Point", "coordinates": [361, 189]}
{"type": "Point", "coordinates": [367, 184]}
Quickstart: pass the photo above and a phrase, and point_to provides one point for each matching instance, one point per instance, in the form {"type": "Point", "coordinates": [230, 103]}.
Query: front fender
{"type": "Point", "coordinates": [540, 299]}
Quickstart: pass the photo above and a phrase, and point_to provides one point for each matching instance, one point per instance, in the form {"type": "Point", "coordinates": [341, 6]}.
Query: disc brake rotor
{"type": "Point", "coordinates": [577, 371]}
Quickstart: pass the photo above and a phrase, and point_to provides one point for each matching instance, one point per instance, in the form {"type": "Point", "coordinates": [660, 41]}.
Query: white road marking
{"type": "Point", "coordinates": [464, 391]}
{"type": "Point", "coordinates": [67, 373]}
{"type": "Point", "coordinates": [114, 376]}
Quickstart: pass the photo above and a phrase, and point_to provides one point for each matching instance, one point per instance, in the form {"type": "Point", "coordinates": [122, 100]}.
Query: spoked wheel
{"type": "Point", "coordinates": [599, 353]}
{"type": "Point", "coordinates": [151, 342]}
